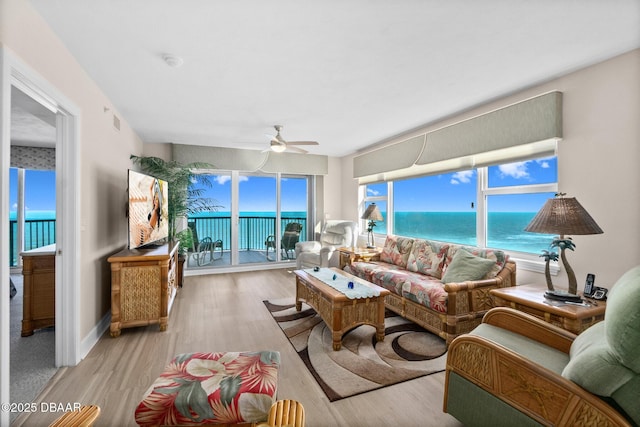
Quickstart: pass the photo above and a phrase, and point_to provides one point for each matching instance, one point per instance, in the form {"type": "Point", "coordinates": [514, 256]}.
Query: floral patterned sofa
{"type": "Point", "coordinates": [443, 287]}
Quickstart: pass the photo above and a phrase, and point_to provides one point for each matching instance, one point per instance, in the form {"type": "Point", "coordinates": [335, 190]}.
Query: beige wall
{"type": "Point", "coordinates": [104, 152]}
{"type": "Point", "coordinates": [597, 163]}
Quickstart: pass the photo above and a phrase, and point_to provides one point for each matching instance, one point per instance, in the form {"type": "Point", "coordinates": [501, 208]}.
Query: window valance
{"type": "Point", "coordinates": [228, 159]}
{"type": "Point", "coordinates": [34, 158]}
{"type": "Point", "coordinates": [528, 129]}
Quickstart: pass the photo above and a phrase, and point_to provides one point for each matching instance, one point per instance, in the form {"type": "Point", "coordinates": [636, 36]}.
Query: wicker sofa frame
{"type": "Point", "coordinates": [467, 303]}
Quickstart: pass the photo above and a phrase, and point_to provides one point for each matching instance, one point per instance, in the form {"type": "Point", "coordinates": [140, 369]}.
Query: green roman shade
{"type": "Point", "coordinates": [521, 131]}
{"type": "Point", "coordinates": [393, 157]}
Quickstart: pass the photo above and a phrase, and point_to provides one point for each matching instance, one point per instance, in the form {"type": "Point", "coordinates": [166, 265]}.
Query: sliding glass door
{"type": "Point", "coordinates": [259, 219]}
{"type": "Point", "coordinates": [257, 205]}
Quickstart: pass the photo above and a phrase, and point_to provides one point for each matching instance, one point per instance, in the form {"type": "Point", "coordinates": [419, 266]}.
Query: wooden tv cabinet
{"type": "Point", "coordinates": [39, 289]}
{"type": "Point", "coordinates": [143, 287]}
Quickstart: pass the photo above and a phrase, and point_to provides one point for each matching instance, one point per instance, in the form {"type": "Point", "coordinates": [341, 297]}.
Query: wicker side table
{"type": "Point", "coordinates": [143, 287]}
{"type": "Point", "coordinates": [530, 299]}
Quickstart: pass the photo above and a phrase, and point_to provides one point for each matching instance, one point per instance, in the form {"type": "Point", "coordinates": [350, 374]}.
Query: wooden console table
{"type": "Point", "coordinates": [143, 287]}
{"type": "Point", "coordinates": [39, 289]}
{"type": "Point", "coordinates": [530, 299]}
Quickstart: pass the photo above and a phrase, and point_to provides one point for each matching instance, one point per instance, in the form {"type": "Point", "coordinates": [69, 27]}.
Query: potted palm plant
{"type": "Point", "coordinates": [186, 196]}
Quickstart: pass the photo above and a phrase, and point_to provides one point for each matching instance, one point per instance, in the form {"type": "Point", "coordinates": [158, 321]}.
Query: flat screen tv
{"type": "Point", "coordinates": [148, 210]}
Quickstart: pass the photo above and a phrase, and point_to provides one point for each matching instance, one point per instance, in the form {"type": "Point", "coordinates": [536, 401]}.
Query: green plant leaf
{"type": "Point", "coordinates": [191, 396]}
{"type": "Point", "coordinates": [229, 388]}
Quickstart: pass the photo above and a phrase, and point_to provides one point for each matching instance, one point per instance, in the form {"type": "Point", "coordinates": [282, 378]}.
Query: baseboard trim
{"type": "Point", "coordinates": [94, 335]}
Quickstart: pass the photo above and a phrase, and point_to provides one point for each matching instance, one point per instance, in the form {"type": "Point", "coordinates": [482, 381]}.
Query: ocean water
{"type": "Point", "coordinates": [505, 230]}
{"type": "Point", "coordinates": [37, 233]}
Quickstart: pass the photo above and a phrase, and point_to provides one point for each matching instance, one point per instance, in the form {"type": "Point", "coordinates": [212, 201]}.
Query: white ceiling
{"type": "Point", "coordinates": [346, 73]}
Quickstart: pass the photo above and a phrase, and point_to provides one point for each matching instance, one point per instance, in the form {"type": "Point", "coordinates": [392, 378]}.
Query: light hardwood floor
{"type": "Point", "coordinates": [224, 312]}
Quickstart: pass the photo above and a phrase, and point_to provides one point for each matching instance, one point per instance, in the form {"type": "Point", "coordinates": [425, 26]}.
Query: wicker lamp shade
{"type": "Point", "coordinates": [372, 213]}
{"type": "Point", "coordinates": [563, 216]}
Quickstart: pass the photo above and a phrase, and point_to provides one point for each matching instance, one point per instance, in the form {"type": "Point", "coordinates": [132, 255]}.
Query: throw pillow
{"type": "Point", "coordinates": [497, 256]}
{"type": "Point", "coordinates": [465, 266]}
{"type": "Point", "coordinates": [396, 250]}
{"type": "Point", "coordinates": [426, 257]}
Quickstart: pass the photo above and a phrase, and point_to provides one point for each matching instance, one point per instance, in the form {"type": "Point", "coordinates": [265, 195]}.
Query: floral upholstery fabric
{"type": "Point", "coordinates": [499, 257]}
{"type": "Point", "coordinates": [396, 250]}
{"type": "Point", "coordinates": [427, 257]}
{"type": "Point", "coordinates": [420, 288]}
{"type": "Point", "coordinates": [212, 388]}
{"type": "Point", "coordinates": [414, 268]}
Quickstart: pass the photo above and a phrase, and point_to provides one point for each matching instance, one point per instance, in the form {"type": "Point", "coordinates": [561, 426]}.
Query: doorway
{"type": "Point", "coordinates": [15, 74]}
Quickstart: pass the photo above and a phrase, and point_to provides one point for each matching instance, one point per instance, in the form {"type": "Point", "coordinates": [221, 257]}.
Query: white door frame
{"type": "Point", "coordinates": [13, 72]}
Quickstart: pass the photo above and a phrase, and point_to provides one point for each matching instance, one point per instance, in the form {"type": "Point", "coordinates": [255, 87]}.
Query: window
{"type": "Point", "coordinates": [488, 206]}
{"type": "Point", "coordinates": [515, 192]}
{"type": "Point", "coordinates": [438, 207]}
{"type": "Point", "coordinates": [377, 193]}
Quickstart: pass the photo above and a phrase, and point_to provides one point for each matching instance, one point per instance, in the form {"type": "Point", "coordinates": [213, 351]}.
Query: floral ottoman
{"type": "Point", "coordinates": [212, 388]}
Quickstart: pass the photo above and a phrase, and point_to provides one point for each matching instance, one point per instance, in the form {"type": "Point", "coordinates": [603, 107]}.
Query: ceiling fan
{"type": "Point", "coordinates": [278, 144]}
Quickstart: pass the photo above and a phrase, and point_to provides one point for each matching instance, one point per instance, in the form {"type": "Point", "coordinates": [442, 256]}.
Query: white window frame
{"type": "Point", "coordinates": [525, 260]}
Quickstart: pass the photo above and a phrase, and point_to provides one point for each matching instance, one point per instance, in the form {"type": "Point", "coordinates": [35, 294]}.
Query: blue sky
{"type": "Point", "coordinates": [258, 193]}
{"type": "Point", "coordinates": [448, 192]}
{"type": "Point", "coordinates": [40, 190]}
{"type": "Point", "coordinates": [455, 192]}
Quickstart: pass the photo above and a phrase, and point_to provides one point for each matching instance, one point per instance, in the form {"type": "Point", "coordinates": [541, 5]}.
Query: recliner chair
{"type": "Point", "coordinates": [335, 234]}
{"type": "Point", "coordinates": [516, 369]}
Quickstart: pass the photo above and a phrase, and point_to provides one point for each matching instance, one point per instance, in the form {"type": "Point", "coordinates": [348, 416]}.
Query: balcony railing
{"type": "Point", "coordinates": [252, 230]}
{"type": "Point", "coordinates": [37, 233]}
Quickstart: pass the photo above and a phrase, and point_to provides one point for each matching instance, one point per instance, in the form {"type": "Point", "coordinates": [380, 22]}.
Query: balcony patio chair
{"type": "Point", "coordinates": [203, 250]}
{"type": "Point", "coordinates": [290, 237]}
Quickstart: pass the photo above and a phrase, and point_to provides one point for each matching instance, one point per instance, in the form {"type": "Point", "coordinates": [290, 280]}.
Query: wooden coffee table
{"type": "Point", "coordinates": [339, 312]}
{"type": "Point", "coordinates": [530, 299]}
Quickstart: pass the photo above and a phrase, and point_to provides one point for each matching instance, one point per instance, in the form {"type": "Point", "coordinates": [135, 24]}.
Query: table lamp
{"type": "Point", "coordinates": [563, 216]}
{"type": "Point", "coordinates": [371, 214]}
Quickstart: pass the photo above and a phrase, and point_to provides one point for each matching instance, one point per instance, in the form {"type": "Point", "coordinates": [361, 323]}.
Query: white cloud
{"type": "Point", "coordinates": [222, 179]}
{"type": "Point", "coordinates": [516, 170]}
{"type": "Point", "coordinates": [462, 177]}
{"type": "Point", "coordinates": [544, 164]}
{"type": "Point", "coordinates": [372, 192]}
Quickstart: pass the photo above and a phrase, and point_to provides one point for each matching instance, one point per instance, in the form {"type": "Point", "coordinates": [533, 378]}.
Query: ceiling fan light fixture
{"type": "Point", "coordinates": [278, 148]}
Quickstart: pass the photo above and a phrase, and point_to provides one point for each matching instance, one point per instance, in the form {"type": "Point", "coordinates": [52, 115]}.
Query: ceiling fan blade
{"type": "Point", "coordinates": [302, 143]}
{"type": "Point", "coordinates": [296, 150]}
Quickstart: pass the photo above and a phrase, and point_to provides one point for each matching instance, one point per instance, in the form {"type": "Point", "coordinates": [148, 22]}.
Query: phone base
{"type": "Point", "coordinates": [562, 296]}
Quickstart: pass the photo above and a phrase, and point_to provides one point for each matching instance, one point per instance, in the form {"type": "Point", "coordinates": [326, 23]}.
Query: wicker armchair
{"type": "Point", "coordinates": [511, 370]}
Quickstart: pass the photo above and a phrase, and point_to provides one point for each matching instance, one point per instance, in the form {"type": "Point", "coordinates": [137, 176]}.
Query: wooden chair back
{"type": "Point", "coordinates": [286, 413]}
{"type": "Point", "coordinates": [84, 417]}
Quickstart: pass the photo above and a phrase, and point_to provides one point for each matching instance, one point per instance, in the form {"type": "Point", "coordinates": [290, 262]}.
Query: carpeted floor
{"type": "Point", "coordinates": [362, 364]}
{"type": "Point", "coordinates": [32, 358]}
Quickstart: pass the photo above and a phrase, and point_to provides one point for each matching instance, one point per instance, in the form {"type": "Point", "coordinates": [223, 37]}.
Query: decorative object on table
{"type": "Point", "coordinates": [371, 214]}
{"type": "Point", "coordinates": [407, 352]}
{"type": "Point", "coordinates": [563, 216]}
{"type": "Point", "coordinates": [548, 257]}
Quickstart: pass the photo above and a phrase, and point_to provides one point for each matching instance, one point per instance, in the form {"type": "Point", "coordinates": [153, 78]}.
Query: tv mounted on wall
{"type": "Point", "coordinates": [148, 210]}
